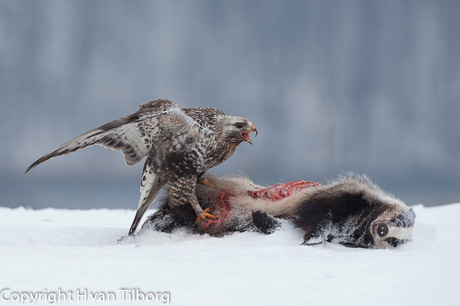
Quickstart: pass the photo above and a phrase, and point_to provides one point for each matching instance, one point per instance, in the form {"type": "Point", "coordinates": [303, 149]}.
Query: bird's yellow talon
{"type": "Point", "coordinates": [205, 215]}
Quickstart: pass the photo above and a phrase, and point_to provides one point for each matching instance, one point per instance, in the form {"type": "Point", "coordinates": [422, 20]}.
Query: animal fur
{"type": "Point", "coordinates": [350, 210]}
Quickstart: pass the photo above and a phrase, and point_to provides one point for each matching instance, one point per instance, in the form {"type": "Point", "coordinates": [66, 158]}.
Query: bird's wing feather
{"type": "Point", "coordinates": [204, 116]}
{"type": "Point", "coordinates": [132, 134]}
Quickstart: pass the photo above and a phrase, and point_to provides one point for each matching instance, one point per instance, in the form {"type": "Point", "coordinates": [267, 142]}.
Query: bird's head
{"type": "Point", "coordinates": [237, 129]}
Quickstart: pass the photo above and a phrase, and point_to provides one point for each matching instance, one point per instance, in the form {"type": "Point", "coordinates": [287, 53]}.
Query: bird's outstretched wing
{"type": "Point", "coordinates": [132, 134]}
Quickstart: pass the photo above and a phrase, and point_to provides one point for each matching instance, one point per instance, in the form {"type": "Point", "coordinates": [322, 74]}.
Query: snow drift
{"type": "Point", "coordinates": [76, 251]}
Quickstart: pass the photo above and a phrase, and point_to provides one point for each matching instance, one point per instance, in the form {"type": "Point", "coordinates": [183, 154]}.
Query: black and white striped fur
{"type": "Point", "coordinates": [350, 210]}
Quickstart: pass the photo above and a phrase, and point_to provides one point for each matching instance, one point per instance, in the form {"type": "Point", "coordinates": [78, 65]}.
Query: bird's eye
{"type": "Point", "coordinates": [239, 125]}
{"type": "Point", "coordinates": [382, 230]}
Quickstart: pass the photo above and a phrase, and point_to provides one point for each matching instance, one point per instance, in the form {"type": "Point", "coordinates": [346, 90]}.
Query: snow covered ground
{"type": "Point", "coordinates": [74, 256]}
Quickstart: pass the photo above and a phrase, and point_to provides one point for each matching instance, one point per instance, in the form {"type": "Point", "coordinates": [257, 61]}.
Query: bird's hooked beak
{"type": "Point", "coordinates": [245, 134]}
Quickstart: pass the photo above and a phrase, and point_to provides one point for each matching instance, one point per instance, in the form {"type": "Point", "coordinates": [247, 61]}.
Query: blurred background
{"type": "Point", "coordinates": [366, 86]}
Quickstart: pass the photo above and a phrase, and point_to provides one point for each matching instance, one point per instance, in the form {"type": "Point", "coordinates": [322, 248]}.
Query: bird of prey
{"type": "Point", "coordinates": [180, 145]}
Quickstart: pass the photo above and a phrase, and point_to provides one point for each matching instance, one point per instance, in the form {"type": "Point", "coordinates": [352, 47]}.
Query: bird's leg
{"type": "Point", "coordinates": [201, 214]}
{"type": "Point", "coordinates": [182, 191]}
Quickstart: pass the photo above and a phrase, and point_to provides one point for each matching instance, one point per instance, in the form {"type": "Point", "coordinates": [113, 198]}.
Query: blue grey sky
{"type": "Point", "coordinates": [366, 86]}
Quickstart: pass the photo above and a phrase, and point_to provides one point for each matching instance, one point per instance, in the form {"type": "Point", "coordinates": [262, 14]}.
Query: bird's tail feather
{"type": "Point", "coordinates": [150, 187]}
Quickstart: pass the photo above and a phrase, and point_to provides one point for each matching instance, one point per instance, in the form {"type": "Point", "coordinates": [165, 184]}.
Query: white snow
{"type": "Point", "coordinates": [76, 251]}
